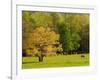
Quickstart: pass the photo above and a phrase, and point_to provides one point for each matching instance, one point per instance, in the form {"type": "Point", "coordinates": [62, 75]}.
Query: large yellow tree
{"type": "Point", "coordinates": [40, 38]}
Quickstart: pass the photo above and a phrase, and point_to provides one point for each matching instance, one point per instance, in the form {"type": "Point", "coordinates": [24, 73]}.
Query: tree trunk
{"type": "Point", "coordinates": [40, 58]}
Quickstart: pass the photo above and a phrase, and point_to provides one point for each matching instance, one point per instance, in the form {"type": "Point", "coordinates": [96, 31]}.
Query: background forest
{"type": "Point", "coordinates": [54, 34]}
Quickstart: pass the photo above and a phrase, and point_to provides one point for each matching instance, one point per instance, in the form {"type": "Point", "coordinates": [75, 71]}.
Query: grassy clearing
{"type": "Point", "coordinates": [56, 61]}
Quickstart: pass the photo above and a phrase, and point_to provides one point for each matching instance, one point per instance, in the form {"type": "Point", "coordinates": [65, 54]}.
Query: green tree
{"type": "Point", "coordinates": [41, 19]}
{"type": "Point", "coordinates": [69, 36]}
{"type": "Point", "coordinates": [65, 37]}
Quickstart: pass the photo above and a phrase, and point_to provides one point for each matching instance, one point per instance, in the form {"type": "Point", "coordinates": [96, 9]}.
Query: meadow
{"type": "Point", "coordinates": [56, 61]}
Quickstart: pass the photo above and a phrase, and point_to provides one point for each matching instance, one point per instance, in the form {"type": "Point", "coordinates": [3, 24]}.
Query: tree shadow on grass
{"type": "Point", "coordinates": [29, 62]}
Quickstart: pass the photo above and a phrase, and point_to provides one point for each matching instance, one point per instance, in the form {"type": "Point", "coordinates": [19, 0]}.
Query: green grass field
{"type": "Point", "coordinates": [56, 61]}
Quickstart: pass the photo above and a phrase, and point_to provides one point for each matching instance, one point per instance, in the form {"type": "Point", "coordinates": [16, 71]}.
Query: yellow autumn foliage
{"type": "Point", "coordinates": [41, 38]}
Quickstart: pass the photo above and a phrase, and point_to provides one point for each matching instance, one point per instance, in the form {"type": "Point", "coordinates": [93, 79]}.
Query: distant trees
{"type": "Point", "coordinates": [84, 43]}
{"type": "Point", "coordinates": [65, 32]}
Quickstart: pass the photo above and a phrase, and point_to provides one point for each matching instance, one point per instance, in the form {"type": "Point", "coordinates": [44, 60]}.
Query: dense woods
{"type": "Point", "coordinates": [54, 33]}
